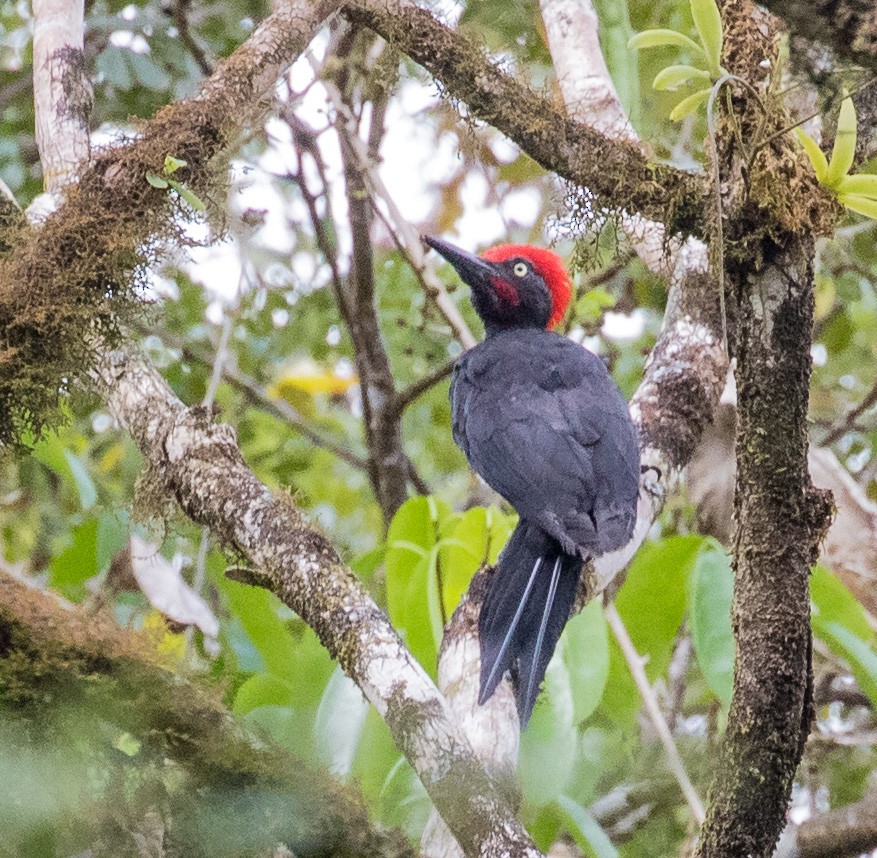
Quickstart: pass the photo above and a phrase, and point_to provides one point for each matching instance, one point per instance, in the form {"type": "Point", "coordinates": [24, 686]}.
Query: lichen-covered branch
{"type": "Point", "coordinates": [199, 464]}
{"type": "Point", "coordinates": [65, 94]}
{"type": "Point", "coordinates": [55, 659]}
{"type": "Point", "coordinates": [780, 517]}
{"type": "Point", "coordinates": [617, 173]}
{"type": "Point", "coordinates": [780, 520]}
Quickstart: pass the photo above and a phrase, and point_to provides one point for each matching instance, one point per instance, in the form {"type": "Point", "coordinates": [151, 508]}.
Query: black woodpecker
{"type": "Point", "coordinates": [543, 423]}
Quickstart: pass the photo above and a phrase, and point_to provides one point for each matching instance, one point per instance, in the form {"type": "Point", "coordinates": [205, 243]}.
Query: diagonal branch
{"type": "Point", "coordinates": [615, 172]}
{"type": "Point", "coordinates": [200, 465]}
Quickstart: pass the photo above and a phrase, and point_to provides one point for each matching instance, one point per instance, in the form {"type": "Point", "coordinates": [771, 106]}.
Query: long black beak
{"type": "Point", "coordinates": [472, 269]}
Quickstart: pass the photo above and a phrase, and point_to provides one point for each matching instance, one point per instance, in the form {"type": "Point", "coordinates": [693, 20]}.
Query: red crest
{"type": "Point", "coordinates": [547, 264]}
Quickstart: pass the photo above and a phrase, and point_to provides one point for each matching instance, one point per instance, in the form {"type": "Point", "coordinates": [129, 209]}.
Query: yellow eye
{"type": "Point", "coordinates": [520, 269]}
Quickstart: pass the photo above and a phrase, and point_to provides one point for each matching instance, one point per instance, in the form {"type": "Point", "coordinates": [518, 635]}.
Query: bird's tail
{"type": "Point", "coordinates": [528, 601]}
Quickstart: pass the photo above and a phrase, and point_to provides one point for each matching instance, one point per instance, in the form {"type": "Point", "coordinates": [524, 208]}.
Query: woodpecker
{"type": "Point", "coordinates": [543, 423]}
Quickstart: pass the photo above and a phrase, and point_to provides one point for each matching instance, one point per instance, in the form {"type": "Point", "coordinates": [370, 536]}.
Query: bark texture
{"type": "Point", "coordinates": [780, 519]}
{"type": "Point", "coordinates": [768, 258]}
{"type": "Point", "coordinates": [388, 466]}
{"type": "Point", "coordinates": [848, 26]}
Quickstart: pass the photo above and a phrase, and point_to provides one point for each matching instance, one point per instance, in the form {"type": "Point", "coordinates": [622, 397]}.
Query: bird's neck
{"type": "Point", "coordinates": [492, 329]}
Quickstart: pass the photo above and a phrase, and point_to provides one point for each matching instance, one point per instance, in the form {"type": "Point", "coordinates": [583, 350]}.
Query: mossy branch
{"type": "Point", "coordinates": [57, 662]}
{"type": "Point", "coordinates": [615, 172]}
{"type": "Point", "coordinates": [78, 274]}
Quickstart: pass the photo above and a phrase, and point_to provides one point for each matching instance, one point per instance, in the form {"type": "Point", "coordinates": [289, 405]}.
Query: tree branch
{"type": "Point", "coordinates": [200, 465]}
{"type": "Point", "coordinates": [388, 464]}
{"type": "Point", "coordinates": [780, 517]}
{"type": "Point", "coordinates": [616, 173]}
{"type": "Point", "coordinates": [55, 657]}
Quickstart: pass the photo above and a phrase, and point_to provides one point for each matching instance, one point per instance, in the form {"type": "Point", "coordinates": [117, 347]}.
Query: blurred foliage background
{"type": "Point", "coordinates": [251, 303]}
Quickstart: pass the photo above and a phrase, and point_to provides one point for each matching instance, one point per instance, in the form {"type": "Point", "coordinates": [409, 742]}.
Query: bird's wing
{"type": "Point", "coordinates": [555, 440]}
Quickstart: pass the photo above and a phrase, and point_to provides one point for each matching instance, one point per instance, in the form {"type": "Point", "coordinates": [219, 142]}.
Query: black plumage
{"type": "Point", "coordinates": [541, 420]}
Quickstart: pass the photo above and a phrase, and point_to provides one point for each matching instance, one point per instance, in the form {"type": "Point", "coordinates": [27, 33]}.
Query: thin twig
{"type": "Point", "coordinates": [258, 395]}
{"type": "Point", "coordinates": [179, 13]}
{"type": "Point", "coordinates": [849, 421]}
{"type": "Point", "coordinates": [637, 671]}
{"type": "Point", "coordinates": [417, 388]}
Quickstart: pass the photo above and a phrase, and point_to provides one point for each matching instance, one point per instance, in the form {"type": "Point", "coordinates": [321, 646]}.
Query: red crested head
{"type": "Point", "coordinates": [547, 264]}
{"type": "Point", "coordinates": [513, 285]}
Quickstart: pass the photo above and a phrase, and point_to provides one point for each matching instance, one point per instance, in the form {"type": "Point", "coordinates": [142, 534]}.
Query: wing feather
{"type": "Point", "coordinates": [541, 420]}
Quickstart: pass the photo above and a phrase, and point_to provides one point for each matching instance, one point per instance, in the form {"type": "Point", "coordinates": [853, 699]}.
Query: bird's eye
{"type": "Point", "coordinates": [520, 269]}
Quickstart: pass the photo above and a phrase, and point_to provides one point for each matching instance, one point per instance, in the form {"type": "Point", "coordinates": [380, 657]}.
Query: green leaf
{"type": "Point", "coordinates": [584, 829]}
{"type": "Point", "coordinates": [500, 527]}
{"type": "Point", "coordinates": [550, 735]}
{"type": "Point", "coordinates": [814, 153]}
{"type": "Point", "coordinates": [339, 723]}
{"type": "Point", "coordinates": [585, 648]}
{"type": "Point", "coordinates": [113, 530]}
{"type": "Point", "coordinates": [462, 554]}
{"type": "Point", "coordinates": [858, 655]}
{"type": "Point", "coordinates": [189, 196]}
{"type": "Point", "coordinates": [688, 105]}
{"type": "Point", "coordinates": [257, 611]}
{"type": "Point", "coordinates": [591, 305]}
{"type": "Point", "coordinates": [54, 453]}
{"type": "Point", "coordinates": [833, 602]}
{"type": "Point", "coordinates": [112, 63]}
{"type": "Point", "coordinates": [85, 486]}
{"type": "Point", "coordinates": [659, 38]}
{"type": "Point", "coordinates": [263, 689]}
{"type": "Point", "coordinates": [844, 149]}
{"type": "Point", "coordinates": [614, 32]}
{"type": "Point", "coordinates": [861, 205]}
{"type": "Point", "coordinates": [652, 599]}
{"type": "Point", "coordinates": [367, 564]}
{"type": "Point", "coordinates": [156, 181]}
{"type": "Point", "coordinates": [171, 164]}
{"type": "Point", "coordinates": [419, 623]}
{"type": "Point", "coordinates": [672, 77]}
{"type": "Point", "coordinates": [862, 184]}
{"type": "Point", "coordinates": [708, 22]}
{"type": "Point", "coordinates": [410, 538]}
{"type": "Point", "coordinates": [69, 570]}
{"type": "Point", "coordinates": [709, 610]}
{"type": "Point", "coordinates": [148, 73]}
